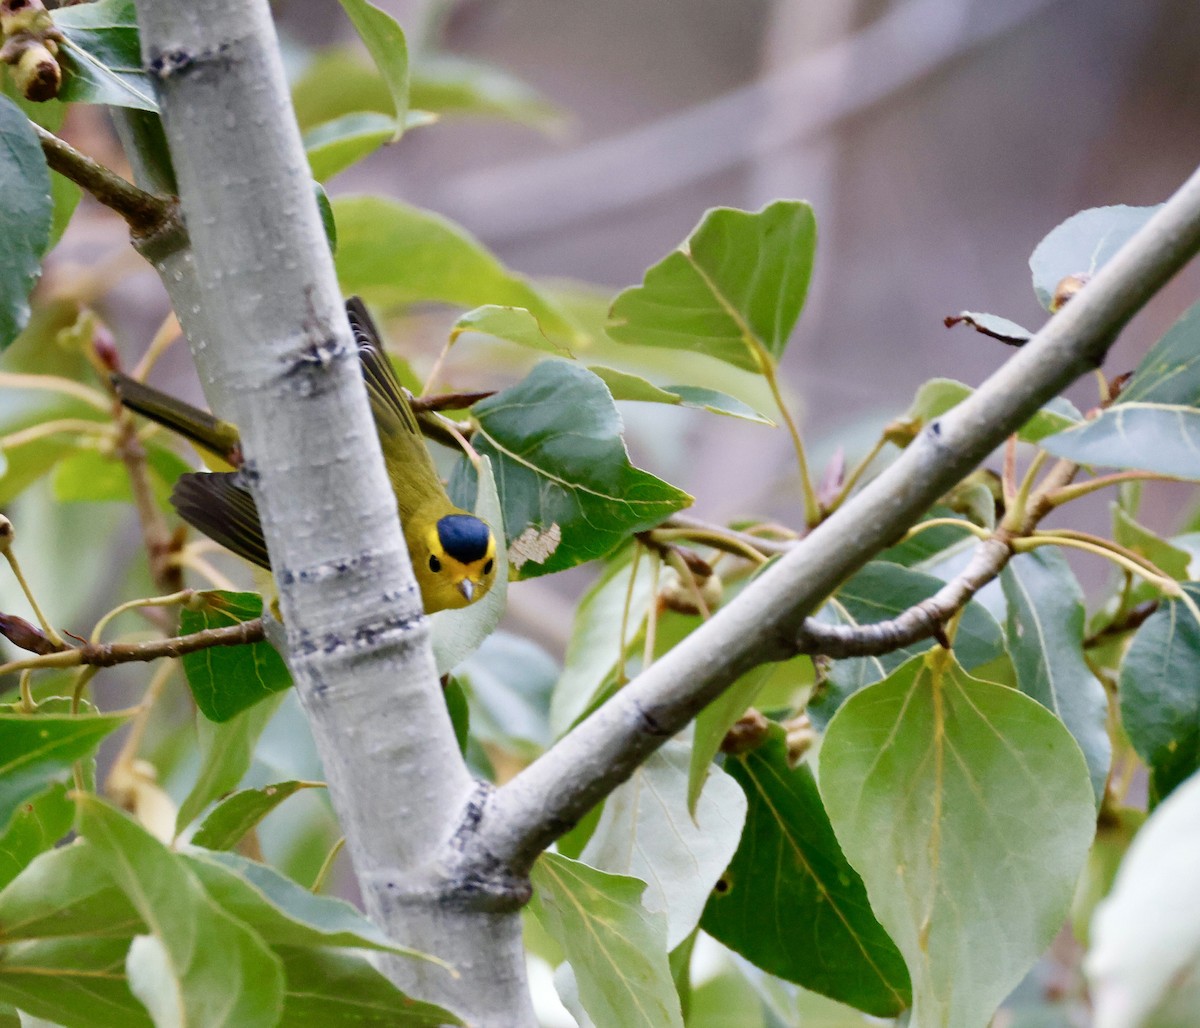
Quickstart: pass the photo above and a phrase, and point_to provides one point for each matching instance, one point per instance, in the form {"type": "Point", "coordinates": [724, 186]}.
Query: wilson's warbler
{"type": "Point", "coordinates": [453, 552]}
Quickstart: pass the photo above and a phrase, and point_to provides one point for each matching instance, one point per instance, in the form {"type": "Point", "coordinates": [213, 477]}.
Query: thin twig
{"type": "Point", "coordinates": [145, 213]}
{"type": "Point", "coordinates": [111, 654]}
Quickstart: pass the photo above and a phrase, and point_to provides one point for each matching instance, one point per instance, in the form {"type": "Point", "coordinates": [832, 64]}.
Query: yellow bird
{"type": "Point", "coordinates": [453, 552]}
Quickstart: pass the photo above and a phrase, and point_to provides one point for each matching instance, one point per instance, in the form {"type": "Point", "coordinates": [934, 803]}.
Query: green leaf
{"type": "Point", "coordinates": [65, 197]}
{"type": "Point", "coordinates": [283, 913]}
{"type": "Point", "coordinates": [459, 633]}
{"type": "Point", "coordinates": [334, 146]}
{"type": "Point", "coordinates": [36, 749]}
{"type": "Point", "coordinates": [1160, 693]}
{"type": "Point", "coordinates": [459, 709]}
{"type": "Point", "coordinates": [237, 814]}
{"type": "Point", "coordinates": [597, 647]}
{"type": "Point", "coordinates": [647, 831]}
{"type": "Point", "coordinates": [623, 385]}
{"type": "Point", "coordinates": [102, 56]}
{"type": "Point", "coordinates": [1145, 953]}
{"type": "Point", "coordinates": [88, 476]}
{"type": "Point", "coordinates": [75, 982]}
{"type": "Point", "coordinates": [360, 88]}
{"type": "Point", "coordinates": [992, 325]}
{"type": "Point", "coordinates": [385, 43]}
{"type": "Point", "coordinates": [392, 254]}
{"type": "Point", "coordinates": [570, 493]}
{"type": "Point", "coordinates": [38, 824]}
{"type": "Point", "coordinates": [820, 932]}
{"type": "Point", "coordinates": [67, 892]}
{"type": "Point", "coordinates": [939, 395]}
{"type": "Point", "coordinates": [226, 750]}
{"type": "Point", "coordinates": [218, 972]}
{"type": "Point", "coordinates": [512, 324]}
{"type": "Point", "coordinates": [1144, 436]}
{"type": "Point", "coordinates": [1045, 637]}
{"type": "Point", "coordinates": [1172, 560]}
{"type": "Point", "coordinates": [508, 684]}
{"type": "Point", "coordinates": [968, 810]}
{"type": "Point", "coordinates": [325, 208]}
{"type": "Point", "coordinates": [733, 290]}
{"type": "Point", "coordinates": [329, 988]}
{"type": "Point", "coordinates": [1082, 244]}
{"type": "Point", "coordinates": [616, 947]}
{"type": "Point", "coordinates": [713, 724]}
{"type": "Point", "coordinates": [25, 218]}
{"type": "Point", "coordinates": [1170, 372]}
{"type": "Point", "coordinates": [452, 84]}
{"type": "Point", "coordinates": [226, 680]}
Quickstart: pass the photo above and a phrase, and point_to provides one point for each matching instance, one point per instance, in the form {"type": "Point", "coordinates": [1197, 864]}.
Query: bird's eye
{"type": "Point", "coordinates": [487, 568]}
{"type": "Point", "coordinates": [435, 565]}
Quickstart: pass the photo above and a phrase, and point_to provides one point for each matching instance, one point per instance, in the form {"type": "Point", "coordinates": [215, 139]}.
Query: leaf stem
{"type": "Point", "coordinates": [173, 600]}
{"type": "Point", "coordinates": [51, 634]}
{"type": "Point", "coordinates": [812, 507]}
{"type": "Point", "coordinates": [57, 384]}
{"type": "Point", "coordinates": [622, 676]}
{"type": "Point", "coordinates": [1019, 502]}
{"type": "Point", "coordinates": [727, 542]}
{"type": "Point", "coordinates": [327, 865]}
{"type": "Point", "coordinates": [652, 613]}
{"type": "Point", "coordinates": [78, 426]}
{"type": "Point", "coordinates": [1102, 548]}
{"type": "Point", "coordinates": [857, 473]}
{"type": "Point", "coordinates": [169, 332]}
{"type": "Point", "coordinates": [1068, 493]}
{"type": "Point", "coordinates": [970, 526]}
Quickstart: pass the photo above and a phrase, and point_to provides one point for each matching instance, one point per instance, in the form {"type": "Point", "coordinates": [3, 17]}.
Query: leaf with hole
{"type": "Point", "coordinates": [790, 903]}
{"type": "Point", "coordinates": [647, 831]}
{"type": "Point", "coordinates": [568, 489]}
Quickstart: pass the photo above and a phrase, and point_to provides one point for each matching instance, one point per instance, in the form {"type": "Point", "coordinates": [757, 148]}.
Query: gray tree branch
{"type": "Point", "coordinates": [762, 624]}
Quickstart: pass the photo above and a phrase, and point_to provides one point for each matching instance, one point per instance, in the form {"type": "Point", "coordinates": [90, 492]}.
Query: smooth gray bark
{"type": "Point", "coordinates": [276, 353]}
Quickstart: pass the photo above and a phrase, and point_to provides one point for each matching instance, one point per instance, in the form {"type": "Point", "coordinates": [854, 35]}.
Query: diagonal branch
{"type": "Point", "coordinates": [761, 624]}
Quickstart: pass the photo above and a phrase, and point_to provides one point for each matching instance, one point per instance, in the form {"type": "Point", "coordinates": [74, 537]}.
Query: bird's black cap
{"type": "Point", "coordinates": [464, 537]}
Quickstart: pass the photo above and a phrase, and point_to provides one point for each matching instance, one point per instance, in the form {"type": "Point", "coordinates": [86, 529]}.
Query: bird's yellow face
{"type": "Point", "coordinates": [454, 561]}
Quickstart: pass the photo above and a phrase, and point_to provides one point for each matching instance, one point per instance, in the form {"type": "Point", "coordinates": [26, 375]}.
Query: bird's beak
{"type": "Point", "coordinates": [467, 588]}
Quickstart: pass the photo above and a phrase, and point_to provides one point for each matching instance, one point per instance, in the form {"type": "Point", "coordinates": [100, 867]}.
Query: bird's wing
{"type": "Point", "coordinates": [388, 402]}
{"type": "Point", "coordinates": [411, 469]}
{"type": "Point", "coordinates": [223, 509]}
